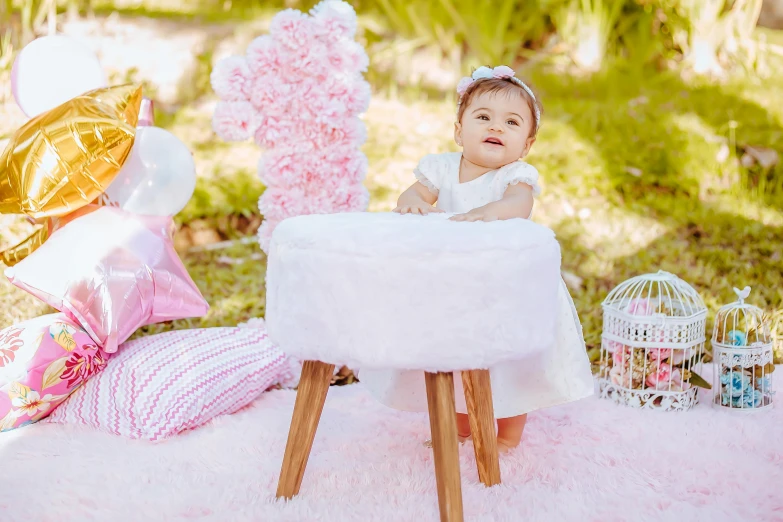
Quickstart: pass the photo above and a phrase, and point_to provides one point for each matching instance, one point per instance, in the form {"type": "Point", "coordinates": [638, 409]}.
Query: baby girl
{"type": "Point", "coordinates": [498, 117]}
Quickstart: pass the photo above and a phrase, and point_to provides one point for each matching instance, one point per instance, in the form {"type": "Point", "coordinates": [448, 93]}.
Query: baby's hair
{"type": "Point", "coordinates": [495, 86]}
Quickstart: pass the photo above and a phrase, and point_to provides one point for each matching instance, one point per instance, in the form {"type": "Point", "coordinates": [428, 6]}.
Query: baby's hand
{"type": "Point", "coordinates": [477, 214]}
{"type": "Point", "coordinates": [421, 209]}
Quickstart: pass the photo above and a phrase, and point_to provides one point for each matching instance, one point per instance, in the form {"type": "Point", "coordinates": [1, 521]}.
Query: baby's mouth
{"type": "Point", "coordinates": [494, 141]}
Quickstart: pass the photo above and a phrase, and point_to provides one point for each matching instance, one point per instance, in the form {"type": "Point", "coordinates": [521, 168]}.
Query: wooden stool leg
{"type": "Point", "coordinates": [310, 398]}
{"type": "Point", "coordinates": [481, 414]}
{"type": "Point", "coordinates": [443, 424]}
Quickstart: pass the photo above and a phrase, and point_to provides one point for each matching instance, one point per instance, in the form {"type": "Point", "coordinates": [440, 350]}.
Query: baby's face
{"type": "Point", "coordinates": [495, 129]}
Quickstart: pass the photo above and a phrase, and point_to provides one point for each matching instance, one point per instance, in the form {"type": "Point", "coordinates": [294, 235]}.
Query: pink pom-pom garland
{"type": "Point", "coordinates": [298, 93]}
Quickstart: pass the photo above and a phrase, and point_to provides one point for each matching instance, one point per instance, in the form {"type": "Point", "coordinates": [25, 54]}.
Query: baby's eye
{"type": "Point", "coordinates": [483, 117]}
{"type": "Point", "coordinates": [512, 122]}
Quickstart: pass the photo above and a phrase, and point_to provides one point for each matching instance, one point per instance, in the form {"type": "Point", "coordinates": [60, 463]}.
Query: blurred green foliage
{"type": "Point", "coordinates": [703, 33]}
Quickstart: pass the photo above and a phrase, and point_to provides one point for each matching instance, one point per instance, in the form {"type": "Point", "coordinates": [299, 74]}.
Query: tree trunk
{"type": "Point", "coordinates": [772, 14]}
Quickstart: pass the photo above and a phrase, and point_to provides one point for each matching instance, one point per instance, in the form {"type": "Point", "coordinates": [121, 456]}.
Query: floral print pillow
{"type": "Point", "coordinates": [43, 361]}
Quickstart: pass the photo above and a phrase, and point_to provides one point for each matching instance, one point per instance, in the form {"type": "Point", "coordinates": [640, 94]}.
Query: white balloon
{"type": "Point", "coordinates": [158, 178]}
{"type": "Point", "coordinates": [51, 70]}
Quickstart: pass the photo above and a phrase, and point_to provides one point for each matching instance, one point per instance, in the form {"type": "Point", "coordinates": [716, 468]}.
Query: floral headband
{"type": "Point", "coordinates": [502, 72]}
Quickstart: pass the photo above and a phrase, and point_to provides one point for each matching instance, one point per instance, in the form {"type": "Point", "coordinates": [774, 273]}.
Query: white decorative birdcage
{"type": "Point", "coordinates": [652, 343]}
{"type": "Point", "coordinates": [777, 336]}
{"type": "Point", "coordinates": [742, 352]}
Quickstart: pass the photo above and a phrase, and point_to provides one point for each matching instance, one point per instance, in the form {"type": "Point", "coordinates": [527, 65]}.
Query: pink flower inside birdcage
{"type": "Point", "coordinates": [653, 342]}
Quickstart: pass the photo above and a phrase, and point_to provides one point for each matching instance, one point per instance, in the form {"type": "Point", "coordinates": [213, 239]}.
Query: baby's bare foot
{"type": "Point", "coordinates": [461, 438]}
{"type": "Point", "coordinates": [510, 431]}
{"type": "Point", "coordinates": [505, 446]}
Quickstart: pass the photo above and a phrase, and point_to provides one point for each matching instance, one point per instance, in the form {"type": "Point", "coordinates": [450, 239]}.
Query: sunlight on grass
{"type": "Point", "coordinates": [569, 162]}
{"type": "Point", "coordinates": [615, 232]}
{"type": "Point", "coordinates": [752, 210]}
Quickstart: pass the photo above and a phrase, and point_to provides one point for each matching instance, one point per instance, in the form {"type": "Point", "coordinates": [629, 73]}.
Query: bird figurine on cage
{"type": "Point", "coordinates": [742, 351]}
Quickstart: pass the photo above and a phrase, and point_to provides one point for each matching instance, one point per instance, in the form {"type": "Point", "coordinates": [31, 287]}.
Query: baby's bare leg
{"type": "Point", "coordinates": [510, 432]}
{"type": "Point", "coordinates": [463, 427]}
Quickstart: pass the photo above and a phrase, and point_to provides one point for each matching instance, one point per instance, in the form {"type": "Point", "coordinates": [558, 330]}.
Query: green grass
{"type": "Point", "coordinates": [231, 279]}
{"type": "Point", "coordinates": [636, 179]}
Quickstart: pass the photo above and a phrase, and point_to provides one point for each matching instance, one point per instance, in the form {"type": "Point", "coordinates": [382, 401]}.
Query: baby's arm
{"type": "Point", "coordinates": [517, 202]}
{"type": "Point", "coordinates": [417, 199]}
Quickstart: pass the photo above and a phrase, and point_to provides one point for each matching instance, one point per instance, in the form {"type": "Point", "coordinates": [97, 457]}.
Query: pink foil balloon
{"type": "Point", "coordinates": [112, 272]}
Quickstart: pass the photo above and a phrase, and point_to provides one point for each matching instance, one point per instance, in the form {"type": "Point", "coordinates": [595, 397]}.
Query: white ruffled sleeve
{"type": "Point", "coordinates": [520, 172]}
{"type": "Point", "coordinates": [429, 172]}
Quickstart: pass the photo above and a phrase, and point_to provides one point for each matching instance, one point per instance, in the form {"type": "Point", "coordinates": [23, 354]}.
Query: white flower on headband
{"type": "Point", "coordinates": [502, 72]}
{"type": "Point", "coordinates": [483, 72]}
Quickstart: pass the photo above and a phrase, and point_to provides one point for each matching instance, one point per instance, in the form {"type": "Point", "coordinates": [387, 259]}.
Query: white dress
{"type": "Point", "coordinates": [556, 377]}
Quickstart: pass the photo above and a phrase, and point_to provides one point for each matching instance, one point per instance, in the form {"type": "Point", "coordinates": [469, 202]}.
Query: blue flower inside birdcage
{"type": "Point", "coordinates": [737, 338]}
{"type": "Point", "coordinates": [734, 383]}
{"type": "Point", "coordinates": [739, 391]}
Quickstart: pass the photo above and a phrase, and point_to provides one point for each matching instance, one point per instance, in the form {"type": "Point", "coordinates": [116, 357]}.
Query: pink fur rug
{"type": "Point", "coordinates": [587, 461]}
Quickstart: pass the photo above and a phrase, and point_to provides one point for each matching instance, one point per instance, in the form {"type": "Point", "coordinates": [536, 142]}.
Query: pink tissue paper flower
{"type": "Point", "coordinates": [284, 99]}
{"type": "Point", "coordinates": [337, 19]}
{"type": "Point", "coordinates": [639, 306]}
{"type": "Point", "coordinates": [350, 90]}
{"type": "Point", "coordinates": [307, 63]}
{"type": "Point", "coordinates": [664, 377]}
{"type": "Point", "coordinates": [621, 376]}
{"type": "Point", "coordinates": [348, 162]}
{"type": "Point", "coordinates": [234, 120]}
{"type": "Point", "coordinates": [620, 355]}
{"type": "Point", "coordinates": [327, 111]}
{"type": "Point", "coordinates": [349, 57]}
{"type": "Point", "coordinates": [503, 71]}
{"type": "Point", "coordinates": [348, 199]}
{"type": "Point", "coordinates": [659, 354]}
{"type": "Point", "coordinates": [342, 131]}
{"type": "Point", "coordinates": [264, 56]}
{"type": "Point", "coordinates": [262, 94]}
{"type": "Point", "coordinates": [288, 167]}
{"type": "Point", "coordinates": [293, 29]}
{"type": "Point", "coordinates": [231, 79]}
{"type": "Point", "coordinates": [281, 166]}
{"type": "Point", "coordinates": [327, 169]}
{"type": "Point", "coordinates": [275, 131]}
{"type": "Point", "coordinates": [265, 232]}
{"type": "Point", "coordinates": [277, 203]}
{"type": "Point", "coordinates": [463, 85]}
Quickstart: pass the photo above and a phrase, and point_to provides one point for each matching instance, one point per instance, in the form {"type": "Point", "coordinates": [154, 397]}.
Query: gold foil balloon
{"type": "Point", "coordinates": [63, 159]}
{"type": "Point", "coordinates": [16, 253]}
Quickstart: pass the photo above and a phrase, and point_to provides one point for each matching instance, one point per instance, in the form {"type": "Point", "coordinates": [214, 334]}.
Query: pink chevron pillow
{"type": "Point", "coordinates": [157, 386]}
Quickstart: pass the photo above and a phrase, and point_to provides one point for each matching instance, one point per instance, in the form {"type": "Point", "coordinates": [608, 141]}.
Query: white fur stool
{"type": "Point", "coordinates": [370, 290]}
